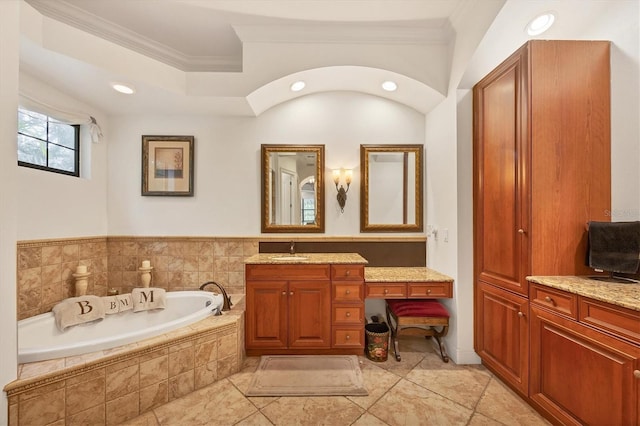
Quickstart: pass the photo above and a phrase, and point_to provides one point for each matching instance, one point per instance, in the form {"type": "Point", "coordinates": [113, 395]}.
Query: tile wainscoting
{"type": "Point", "coordinates": [45, 267]}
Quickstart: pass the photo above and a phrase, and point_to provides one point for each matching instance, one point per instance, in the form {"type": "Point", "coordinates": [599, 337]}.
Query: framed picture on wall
{"type": "Point", "coordinates": [167, 165]}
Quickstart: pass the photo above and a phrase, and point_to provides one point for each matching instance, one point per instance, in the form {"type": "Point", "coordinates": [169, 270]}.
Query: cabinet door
{"type": "Point", "coordinates": [580, 375]}
{"type": "Point", "coordinates": [266, 314]}
{"type": "Point", "coordinates": [500, 183]}
{"type": "Point", "coordinates": [501, 332]}
{"type": "Point", "coordinates": [309, 314]}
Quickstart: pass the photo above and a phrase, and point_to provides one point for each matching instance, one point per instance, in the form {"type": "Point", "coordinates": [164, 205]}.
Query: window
{"type": "Point", "coordinates": [47, 144]}
{"type": "Point", "coordinates": [308, 211]}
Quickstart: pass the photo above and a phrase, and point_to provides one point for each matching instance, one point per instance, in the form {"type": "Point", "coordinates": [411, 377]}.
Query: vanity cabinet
{"type": "Point", "coordinates": [290, 312]}
{"type": "Point", "coordinates": [304, 309]}
{"type": "Point", "coordinates": [541, 173]}
{"type": "Point", "coordinates": [585, 360]}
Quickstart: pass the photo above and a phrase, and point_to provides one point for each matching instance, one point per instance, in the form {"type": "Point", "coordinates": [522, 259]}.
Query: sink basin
{"type": "Point", "coordinates": [289, 257]}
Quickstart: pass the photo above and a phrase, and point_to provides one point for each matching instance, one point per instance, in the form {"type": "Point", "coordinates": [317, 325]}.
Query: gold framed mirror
{"type": "Point", "coordinates": [391, 189]}
{"type": "Point", "coordinates": [292, 188]}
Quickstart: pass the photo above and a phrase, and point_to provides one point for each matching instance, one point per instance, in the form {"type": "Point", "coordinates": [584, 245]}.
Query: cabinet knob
{"type": "Point", "coordinates": [348, 314]}
{"type": "Point", "coordinates": [347, 337]}
{"type": "Point", "coordinates": [521, 231]}
{"type": "Point", "coordinates": [348, 272]}
{"type": "Point", "coordinates": [520, 314]}
{"type": "Point", "coordinates": [284, 293]}
{"type": "Point", "coordinates": [636, 374]}
{"type": "Point", "coordinates": [428, 291]}
{"type": "Point", "coordinates": [548, 299]}
{"type": "Point", "coordinates": [386, 291]}
{"type": "Point", "coordinates": [290, 293]}
{"type": "Point", "coordinates": [347, 291]}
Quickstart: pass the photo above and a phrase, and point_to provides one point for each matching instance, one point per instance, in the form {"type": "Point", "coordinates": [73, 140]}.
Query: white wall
{"type": "Point", "coordinates": [227, 157]}
{"type": "Point", "coordinates": [9, 62]}
{"type": "Point", "coordinates": [59, 206]}
{"type": "Point", "coordinates": [625, 110]}
{"type": "Point", "coordinates": [464, 295]}
{"type": "Point", "coordinates": [443, 211]}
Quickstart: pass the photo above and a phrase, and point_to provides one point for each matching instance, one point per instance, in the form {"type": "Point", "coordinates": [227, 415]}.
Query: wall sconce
{"type": "Point", "coordinates": [342, 193]}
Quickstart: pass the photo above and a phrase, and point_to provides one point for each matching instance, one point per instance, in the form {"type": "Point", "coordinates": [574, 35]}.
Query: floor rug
{"type": "Point", "coordinates": [307, 375]}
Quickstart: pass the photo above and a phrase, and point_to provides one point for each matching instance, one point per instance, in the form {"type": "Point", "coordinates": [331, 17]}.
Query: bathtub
{"type": "Point", "coordinates": [39, 339]}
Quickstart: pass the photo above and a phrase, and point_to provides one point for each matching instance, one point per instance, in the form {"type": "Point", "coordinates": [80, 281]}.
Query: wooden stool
{"type": "Point", "coordinates": [418, 316]}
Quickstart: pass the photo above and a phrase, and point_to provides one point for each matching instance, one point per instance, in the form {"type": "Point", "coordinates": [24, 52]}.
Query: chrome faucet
{"type": "Point", "coordinates": [226, 304]}
{"type": "Point", "coordinates": [292, 247]}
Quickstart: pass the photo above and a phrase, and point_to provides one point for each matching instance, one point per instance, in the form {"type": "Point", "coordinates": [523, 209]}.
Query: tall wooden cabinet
{"type": "Point", "coordinates": [541, 172]}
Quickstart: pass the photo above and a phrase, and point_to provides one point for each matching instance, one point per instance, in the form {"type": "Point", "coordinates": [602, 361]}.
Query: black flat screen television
{"type": "Point", "coordinates": [614, 248]}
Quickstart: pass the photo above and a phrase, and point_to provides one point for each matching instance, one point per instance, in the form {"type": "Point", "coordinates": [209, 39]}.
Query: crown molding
{"type": "Point", "coordinates": [76, 17]}
{"type": "Point", "coordinates": [427, 32]}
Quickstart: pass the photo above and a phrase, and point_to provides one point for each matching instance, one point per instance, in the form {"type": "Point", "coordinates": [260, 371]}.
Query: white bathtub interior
{"type": "Point", "coordinates": [39, 339]}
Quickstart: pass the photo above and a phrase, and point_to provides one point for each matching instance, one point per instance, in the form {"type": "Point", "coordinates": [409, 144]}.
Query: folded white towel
{"type": "Point", "coordinates": [125, 302]}
{"type": "Point", "coordinates": [78, 310]}
{"type": "Point", "coordinates": [148, 298]}
{"type": "Point", "coordinates": [111, 305]}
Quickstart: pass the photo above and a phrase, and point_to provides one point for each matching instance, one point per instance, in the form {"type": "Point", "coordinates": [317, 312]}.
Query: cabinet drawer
{"type": "Point", "coordinates": [347, 272]}
{"type": "Point", "coordinates": [348, 314]}
{"type": "Point", "coordinates": [287, 272]}
{"type": "Point", "coordinates": [556, 300]}
{"type": "Point", "coordinates": [429, 290]}
{"type": "Point", "coordinates": [348, 292]}
{"type": "Point", "coordinates": [386, 290]}
{"type": "Point", "coordinates": [621, 322]}
{"type": "Point", "coordinates": [348, 337]}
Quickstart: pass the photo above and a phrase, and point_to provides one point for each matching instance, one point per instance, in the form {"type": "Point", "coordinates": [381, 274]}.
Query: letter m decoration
{"type": "Point", "coordinates": [144, 296]}
{"type": "Point", "coordinates": [85, 307]}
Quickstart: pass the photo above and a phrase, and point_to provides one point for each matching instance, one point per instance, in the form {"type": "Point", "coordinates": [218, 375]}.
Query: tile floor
{"type": "Point", "coordinates": [419, 390]}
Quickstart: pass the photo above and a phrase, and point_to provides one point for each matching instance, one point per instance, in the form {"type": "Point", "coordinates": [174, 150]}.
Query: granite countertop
{"type": "Point", "coordinates": [306, 258]}
{"type": "Point", "coordinates": [403, 274]}
{"type": "Point", "coordinates": [626, 295]}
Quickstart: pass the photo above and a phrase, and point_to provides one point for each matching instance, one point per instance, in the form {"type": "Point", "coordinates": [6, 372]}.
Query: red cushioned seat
{"type": "Point", "coordinates": [422, 316]}
{"type": "Point", "coordinates": [417, 308]}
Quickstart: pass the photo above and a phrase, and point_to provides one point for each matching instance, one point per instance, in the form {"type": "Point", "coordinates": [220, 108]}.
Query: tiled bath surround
{"type": "Point", "coordinates": [45, 267]}
{"type": "Point", "coordinates": [112, 386]}
{"type": "Point", "coordinates": [109, 387]}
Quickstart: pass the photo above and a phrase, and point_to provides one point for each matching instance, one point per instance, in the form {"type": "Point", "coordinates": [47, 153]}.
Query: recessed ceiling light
{"type": "Point", "coordinates": [123, 88]}
{"type": "Point", "coordinates": [389, 86]}
{"type": "Point", "coordinates": [297, 86]}
{"type": "Point", "coordinates": [540, 23]}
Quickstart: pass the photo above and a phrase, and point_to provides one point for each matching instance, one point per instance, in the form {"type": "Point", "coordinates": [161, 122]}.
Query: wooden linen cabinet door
{"type": "Point", "coordinates": [266, 314]}
{"type": "Point", "coordinates": [502, 334]}
{"type": "Point", "coordinates": [500, 183]}
{"type": "Point", "coordinates": [309, 314]}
